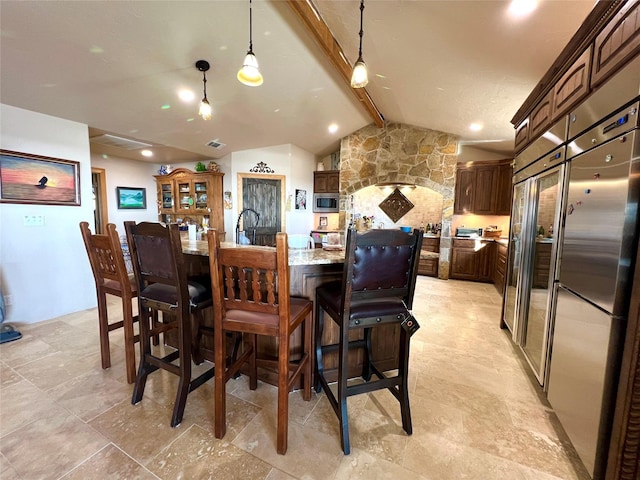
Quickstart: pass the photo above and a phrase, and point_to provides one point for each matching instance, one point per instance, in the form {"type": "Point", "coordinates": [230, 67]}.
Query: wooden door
{"type": "Point", "coordinates": [264, 195]}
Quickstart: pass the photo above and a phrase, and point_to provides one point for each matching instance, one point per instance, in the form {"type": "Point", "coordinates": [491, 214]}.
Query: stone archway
{"type": "Point", "coordinates": [398, 153]}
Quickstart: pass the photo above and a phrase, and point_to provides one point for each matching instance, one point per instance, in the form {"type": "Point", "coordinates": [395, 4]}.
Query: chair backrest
{"type": "Point", "coordinates": [105, 255]}
{"type": "Point", "coordinates": [157, 258]}
{"type": "Point", "coordinates": [381, 264]}
{"type": "Point", "coordinates": [251, 278]}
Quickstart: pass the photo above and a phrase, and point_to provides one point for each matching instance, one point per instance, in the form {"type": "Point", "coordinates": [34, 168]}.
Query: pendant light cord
{"type": "Point", "coordinates": [204, 84]}
{"type": "Point", "coordinates": [361, 32]}
{"type": "Point", "coordinates": [250, 29]}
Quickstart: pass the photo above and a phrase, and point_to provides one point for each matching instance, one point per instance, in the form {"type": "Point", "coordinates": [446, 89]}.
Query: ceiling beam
{"type": "Point", "coordinates": [316, 26]}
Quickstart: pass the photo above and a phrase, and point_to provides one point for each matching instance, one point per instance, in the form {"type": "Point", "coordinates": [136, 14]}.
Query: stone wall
{"type": "Point", "coordinates": [404, 154]}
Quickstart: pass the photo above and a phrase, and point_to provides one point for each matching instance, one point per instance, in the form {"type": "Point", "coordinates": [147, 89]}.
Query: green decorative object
{"type": "Point", "coordinates": [200, 167]}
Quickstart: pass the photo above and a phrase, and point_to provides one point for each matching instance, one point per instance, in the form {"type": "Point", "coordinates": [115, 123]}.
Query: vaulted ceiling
{"type": "Point", "coordinates": [117, 66]}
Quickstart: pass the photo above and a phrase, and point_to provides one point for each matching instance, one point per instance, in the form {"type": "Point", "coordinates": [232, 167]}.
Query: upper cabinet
{"type": "Point", "coordinates": [326, 181]}
{"type": "Point", "coordinates": [483, 189]}
{"type": "Point", "coordinates": [607, 40]}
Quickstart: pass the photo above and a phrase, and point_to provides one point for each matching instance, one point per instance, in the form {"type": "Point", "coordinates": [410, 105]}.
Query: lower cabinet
{"type": "Point", "coordinates": [473, 261]}
{"type": "Point", "coordinates": [501, 268]}
{"type": "Point", "coordinates": [429, 266]}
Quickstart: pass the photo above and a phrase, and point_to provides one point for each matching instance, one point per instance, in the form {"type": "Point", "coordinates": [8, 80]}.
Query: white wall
{"type": "Point", "coordinates": [121, 172]}
{"type": "Point", "coordinates": [44, 269]}
{"type": "Point", "coordinates": [472, 154]}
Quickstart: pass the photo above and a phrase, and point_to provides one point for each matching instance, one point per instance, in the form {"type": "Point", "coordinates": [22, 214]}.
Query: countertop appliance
{"type": "Point", "coordinates": [326, 202]}
{"type": "Point", "coordinates": [468, 232]}
{"type": "Point", "coordinates": [600, 231]}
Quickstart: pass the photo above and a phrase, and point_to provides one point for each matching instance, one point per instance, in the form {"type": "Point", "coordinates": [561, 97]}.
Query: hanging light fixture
{"type": "Point", "coordinates": [359, 76]}
{"type": "Point", "coordinates": [205, 107]}
{"type": "Point", "coordinates": [249, 74]}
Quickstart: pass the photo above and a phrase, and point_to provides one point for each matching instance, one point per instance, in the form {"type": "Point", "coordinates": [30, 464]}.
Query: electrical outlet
{"type": "Point", "coordinates": [34, 220]}
{"type": "Point", "coordinates": [8, 300]}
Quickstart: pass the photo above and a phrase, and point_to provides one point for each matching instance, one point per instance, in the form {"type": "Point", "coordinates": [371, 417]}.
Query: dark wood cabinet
{"type": "Point", "coordinates": [429, 266]}
{"type": "Point", "coordinates": [572, 87]}
{"type": "Point", "coordinates": [326, 182]}
{"type": "Point", "coordinates": [484, 189]}
{"type": "Point", "coordinates": [501, 268]}
{"type": "Point", "coordinates": [468, 262]}
{"type": "Point", "coordinates": [465, 189]}
{"type": "Point", "coordinates": [618, 42]}
{"type": "Point", "coordinates": [540, 117]}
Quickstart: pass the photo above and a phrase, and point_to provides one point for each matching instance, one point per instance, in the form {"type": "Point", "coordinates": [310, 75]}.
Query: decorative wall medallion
{"type": "Point", "coordinates": [262, 167]}
{"type": "Point", "coordinates": [396, 205]}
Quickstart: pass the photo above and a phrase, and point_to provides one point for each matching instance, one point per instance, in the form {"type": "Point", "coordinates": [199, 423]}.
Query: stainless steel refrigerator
{"type": "Point", "coordinates": [600, 227]}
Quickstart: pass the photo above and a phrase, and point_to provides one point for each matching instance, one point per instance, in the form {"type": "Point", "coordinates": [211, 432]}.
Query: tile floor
{"type": "Point", "coordinates": [477, 413]}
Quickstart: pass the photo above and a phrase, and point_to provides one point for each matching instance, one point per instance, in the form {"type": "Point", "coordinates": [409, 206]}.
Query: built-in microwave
{"type": "Point", "coordinates": [326, 202]}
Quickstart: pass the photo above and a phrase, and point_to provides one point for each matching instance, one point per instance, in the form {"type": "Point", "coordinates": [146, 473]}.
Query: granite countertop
{"type": "Point", "coordinates": [316, 256]}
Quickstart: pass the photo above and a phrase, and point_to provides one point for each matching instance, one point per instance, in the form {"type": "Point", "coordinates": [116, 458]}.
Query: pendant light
{"type": "Point", "coordinates": [359, 76]}
{"type": "Point", "coordinates": [249, 74]}
{"type": "Point", "coordinates": [205, 107]}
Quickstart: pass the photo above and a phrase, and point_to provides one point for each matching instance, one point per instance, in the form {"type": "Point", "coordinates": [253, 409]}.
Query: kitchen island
{"type": "Point", "coordinates": [308, 269]}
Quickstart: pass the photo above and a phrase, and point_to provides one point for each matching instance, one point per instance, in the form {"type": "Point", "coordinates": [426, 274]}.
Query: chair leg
{"type": "Point", "coordinates": [103, 322]}
{"type": "Point", "coordinates": [196, 332]}
{"type": "Point", "coordinates": [129, 342]}
{"type": "Point", "coordinates": [154, 323]}
{"type": "Point", "coordinates": [185, 340]}
{"type": "Point", "coordinates": [220, 381]}
{"type": "Point", "coordinates": [366, 360]}
{"type": "Point", "coordinates": [283, 394]}
{"type": "Point", "coordinates": [403, 388]}
{"type": "Point", "coordinates": [253, 367]}
{"type": "Point", "coordinates": [145, 367]}
{"type": "Point", "coordinates": [318, 368]}
{"type": "Point", "coordinates": [308, 351]}
{"type": "Point", "coordinates": [342, 389]}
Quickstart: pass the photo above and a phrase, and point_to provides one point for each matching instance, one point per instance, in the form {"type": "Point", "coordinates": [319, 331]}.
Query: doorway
{"type": "Point", "coordinates": [266, 195]}
{"type": "Point", "coordinates": [99, 190]}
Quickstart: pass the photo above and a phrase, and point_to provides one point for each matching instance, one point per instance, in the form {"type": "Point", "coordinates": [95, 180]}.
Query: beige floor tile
{"type": "Point", "coordinates": [60, 367]}
{"type": "Point", "coordinates": [56, 444]}
{"type": "Point", "coordinates": [25, 350]}
{"type": "Point", "coordinates": [8, 472]}
{"type": "Point", "coordinates": [361, 464]}
{"type": "Point", "coordinates": [142, 430]}
{"type": "Point", "coordinates": [110, 463]}
{"type": "Point", "coordinates": [276, 474]}
{"type": "Point", "coordinates": [310, 454]}
{"type": "Point", "coordinates": [91, 394]}
{"type": "Point", "coordinates": [8, 376]}
{"type": "Point", "coordinates": [197, 454]}
{"type": "Point", "coordinates": [22, 403]}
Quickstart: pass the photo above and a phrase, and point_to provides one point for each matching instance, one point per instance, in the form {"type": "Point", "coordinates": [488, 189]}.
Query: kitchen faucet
{"type": "Point", "coordinates": [245, 210]}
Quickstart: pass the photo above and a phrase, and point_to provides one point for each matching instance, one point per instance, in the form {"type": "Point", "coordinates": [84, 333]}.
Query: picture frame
{"type": "Point", "coordinates": [323, 222]}
{"type": "Point", "coordinates": [36, 179]}
{"type": "Point", "coordinates": [301, 199]}
{"type": "Point", "coordinates": [131, 198]}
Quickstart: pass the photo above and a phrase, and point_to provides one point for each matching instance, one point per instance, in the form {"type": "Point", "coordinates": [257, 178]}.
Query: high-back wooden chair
{"type": "Point", "coordinates": [251, 295]}
{"type": "Point", "coordinates": [111, 277]}
{"type": "Point", "coordinates": [377, 288]}
{"type": "Point", "coordinates": [159, 267]}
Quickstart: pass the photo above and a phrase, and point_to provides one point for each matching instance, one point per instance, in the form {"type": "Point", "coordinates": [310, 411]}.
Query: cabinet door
{"type": "Point", "coordinates": [465, 180]}
{"type": "Point", "coordinates": [503, 190]}
{"type": "Point", "coordinates": [485, 187]}
{"type": "Point", "coordinates": [573, 86]}
{"type": "Point", "coordinates": [540, 117]}
{"type": "Point", "coordinates": [487, 262]}
{"type": "Point", "coordinates": [319, 183]}
{"type": "Point", "coordinates": [616, 43]}
{"type": "Point", "coordinates": [166, 196]}
{"type": "Point", "coordinates": [333, 182]}
{"type": "Point", "coordinates": [464, 264]}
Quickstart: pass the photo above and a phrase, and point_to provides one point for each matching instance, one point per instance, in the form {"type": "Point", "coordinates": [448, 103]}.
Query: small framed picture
{"type": "Point", "coordinates": [323, 222]}
{"type": "Point", "coordinates": [301, 199]}
{"type": "Point", "coordinates": [131, 198]}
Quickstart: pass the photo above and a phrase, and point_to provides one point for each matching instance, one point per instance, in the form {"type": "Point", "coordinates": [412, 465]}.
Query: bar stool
{"type": "Point", "coordinates": [159, 267]}
{"type": "Point", "coordinates": [251, 296]}
{"type": "Point", "coordinates": [377, 288]}
{"type": "Point", "coordinates": [111, 277]}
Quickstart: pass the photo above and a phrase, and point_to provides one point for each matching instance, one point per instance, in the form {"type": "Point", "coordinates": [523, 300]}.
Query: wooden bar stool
{"type": "Point", "coordinates": [251, 296]}
{"type": "Point", "coordinates": [377, 287]}
{"type": "Point", "coordinates": [111, 277]}
{"type": "Point", "coordinates": [159, 266]}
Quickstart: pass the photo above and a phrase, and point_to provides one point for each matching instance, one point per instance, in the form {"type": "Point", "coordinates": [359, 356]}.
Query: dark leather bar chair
{"type": "Point", "coordinates": [111, 277]}
{"type": "Point", "coordinates": [377, 288]}
{"type": "Point", "coordinates": [251, 296]}
{"type": "Point", "coordinates": [163, 286]}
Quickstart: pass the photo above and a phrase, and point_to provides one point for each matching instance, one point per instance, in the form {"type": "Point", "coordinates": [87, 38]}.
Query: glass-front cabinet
{"type": "Point", "coordinates": [188, 197]}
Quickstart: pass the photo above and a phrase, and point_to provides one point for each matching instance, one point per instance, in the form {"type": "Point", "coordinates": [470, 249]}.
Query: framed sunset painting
{"type": "Point", "coordinates": [26, 178]}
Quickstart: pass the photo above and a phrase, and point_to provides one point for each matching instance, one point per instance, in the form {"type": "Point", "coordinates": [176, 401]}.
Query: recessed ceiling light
{"type": "Point", "coordinates": [165, 107]}
{"type": "Point", "coordinates": [476, 127]}
{"type": "Point", "coordinates": [519, 8]}
{"type": "Point", "coordinates": [380, 76]}
{"type": "Point", "coordinates": [333, 128]}
{"type": "Point", "coordinates": [146, 153]}
{"type": "Point", "coordinates": [186, 95]}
